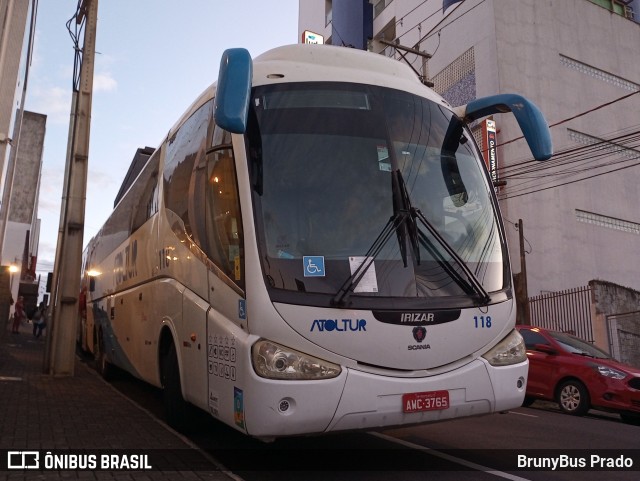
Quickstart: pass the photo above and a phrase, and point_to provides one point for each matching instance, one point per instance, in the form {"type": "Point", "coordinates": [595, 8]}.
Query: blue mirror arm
{"type": "Point", "coordinates": [530, 119]}
{"type": "Point", "coordinates": [233, 91]}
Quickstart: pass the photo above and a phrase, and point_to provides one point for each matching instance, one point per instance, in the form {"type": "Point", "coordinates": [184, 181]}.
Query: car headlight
{"type": "Point", "coordinates": [273, 361]}
{"type": "Point", "coordinates": [511, 350]}
{"type": "Point", "coordinates": [607, 371]}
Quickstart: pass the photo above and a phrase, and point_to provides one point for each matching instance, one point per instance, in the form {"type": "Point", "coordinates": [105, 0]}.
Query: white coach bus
{"type": "Point", "coordinates": [315, 246]}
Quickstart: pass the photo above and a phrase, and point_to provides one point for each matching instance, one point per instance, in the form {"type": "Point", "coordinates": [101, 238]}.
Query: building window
{"type": "Point", "coordinates": [388, 33]}
{"type": "Point", "coordinates": [609, 222]}
{"type": "Point", "coordinates": [620, 7]}
{"type": "Point", "coordinates": [379, 6]}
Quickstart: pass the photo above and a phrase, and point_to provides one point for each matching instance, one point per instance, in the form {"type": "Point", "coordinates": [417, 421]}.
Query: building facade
{"type": "Point", "coordinates": [21, 143]}
{"type": "Point", "coordinates": [14, 17]}
{"type": "Point", "coordinates": [579, 61]}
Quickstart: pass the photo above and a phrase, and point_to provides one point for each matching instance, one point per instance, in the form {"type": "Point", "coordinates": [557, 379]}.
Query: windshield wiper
{"type": "Point", "coordinates": [471, 285]}
{"type": "Point", "coordinates": [586, 354]}
{"type": "Point", "coordinates": [404, 212]}
{"type": "Point", "coordinates": [394, 224]}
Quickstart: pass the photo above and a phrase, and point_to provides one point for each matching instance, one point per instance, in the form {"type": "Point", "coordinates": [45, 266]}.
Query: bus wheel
{"type": "Point", "coordinates": [175, 407]}
{"type": "Point", "coordinates": [573, 398]}
{"type": "Point", "coordinates": [102, 364]}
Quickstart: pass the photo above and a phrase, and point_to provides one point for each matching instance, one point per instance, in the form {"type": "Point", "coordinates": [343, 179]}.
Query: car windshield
{"type": "Point", "coordinates": [337, 166]}
{"type": "Point", "coordinates": [575, 345]}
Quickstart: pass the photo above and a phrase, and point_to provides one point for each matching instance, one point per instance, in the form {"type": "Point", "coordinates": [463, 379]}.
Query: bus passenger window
{"type": "Point", "coordinates": [182, 154]}
{"type": "Point", "coordinates": [223, 239]}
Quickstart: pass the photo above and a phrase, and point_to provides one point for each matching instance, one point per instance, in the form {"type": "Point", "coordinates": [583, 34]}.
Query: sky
{"type": "Point", "coordinates": [154, 57]}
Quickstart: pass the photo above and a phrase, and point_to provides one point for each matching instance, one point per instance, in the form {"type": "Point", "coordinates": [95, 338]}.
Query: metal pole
{"type": "Point", "coordinates": [66, 283]}
{"type": "Point", "coordinates": [523, 275]}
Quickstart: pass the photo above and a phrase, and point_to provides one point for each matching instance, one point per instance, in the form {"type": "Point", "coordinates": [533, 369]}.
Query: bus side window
{"type": "Point", "coordinates": [220, 137]}
{"type": "Point", "coordinates": [183, 151]}
{"type": "Point", "coordinates": [145, 191]}
{"type": "Point", "coordinates": [220, 236]}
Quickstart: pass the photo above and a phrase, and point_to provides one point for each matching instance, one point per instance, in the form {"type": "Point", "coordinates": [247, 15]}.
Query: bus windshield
{"type": "Point", "coordinates": [371, 188]}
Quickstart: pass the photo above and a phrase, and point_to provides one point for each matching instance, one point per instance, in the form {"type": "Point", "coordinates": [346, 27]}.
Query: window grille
{"type": "Point", "coordinates": [604, 145]}
{"type": "Point", "coordinates": [606, 221]}
{"type": "Point", "coordinates": [456, 71]}
{"type": "Point", "coordinates": [599, 74]}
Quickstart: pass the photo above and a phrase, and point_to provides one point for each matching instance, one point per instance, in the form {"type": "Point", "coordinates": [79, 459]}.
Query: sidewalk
{"type": "Point", "coordinates": [82, 414]}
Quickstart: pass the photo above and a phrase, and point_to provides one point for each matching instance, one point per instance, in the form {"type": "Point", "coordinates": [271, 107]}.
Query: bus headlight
{"type": "Point", "coordinates": [511, 350]}
{"type": "Point", "coordinates": [272, 361]}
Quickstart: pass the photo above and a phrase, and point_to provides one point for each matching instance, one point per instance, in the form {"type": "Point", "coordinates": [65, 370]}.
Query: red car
{"type": "Point", "coordinates": [578, 375]}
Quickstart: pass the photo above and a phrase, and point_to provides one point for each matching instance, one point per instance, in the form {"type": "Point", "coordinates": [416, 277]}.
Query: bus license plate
{"type": "Point", "coordinates": [425, 401]}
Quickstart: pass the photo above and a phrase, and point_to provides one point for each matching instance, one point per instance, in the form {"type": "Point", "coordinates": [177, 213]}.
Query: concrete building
{"type": "Point", "coordinates": [21, 143]}
{"type": "Point", "coordinates": [579, 61]}
{"type": "Point", "coordinates": [14, 17]}
{"type": "Point", "coordinates": [23, 226]}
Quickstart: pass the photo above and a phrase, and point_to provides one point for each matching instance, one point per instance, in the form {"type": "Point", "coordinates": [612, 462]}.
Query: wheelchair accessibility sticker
{"type": "Point", "coordinates": [313, 266]}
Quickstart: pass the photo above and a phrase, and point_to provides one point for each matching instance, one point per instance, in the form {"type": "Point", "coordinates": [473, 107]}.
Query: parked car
{"type": "Point", "coordinates": [578, 375]}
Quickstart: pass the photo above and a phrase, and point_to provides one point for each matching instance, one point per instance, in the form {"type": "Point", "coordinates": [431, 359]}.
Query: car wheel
{"type": "Point", "coordinates": [175, 407]}
{"type": "Point", "coordinates": [573, 398]}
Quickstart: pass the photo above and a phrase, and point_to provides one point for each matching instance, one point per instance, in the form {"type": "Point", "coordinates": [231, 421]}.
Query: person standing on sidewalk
{"type": "Point", "coordinates": [39, 320]}
{"type": "Point", "coordinates": [18, 315]}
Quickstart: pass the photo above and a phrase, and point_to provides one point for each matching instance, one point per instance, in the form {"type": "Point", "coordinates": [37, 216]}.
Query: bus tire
{"type": "Point", "coordinates": [103, 366]}
{"type": "Point", "coordinates": [175, 407]}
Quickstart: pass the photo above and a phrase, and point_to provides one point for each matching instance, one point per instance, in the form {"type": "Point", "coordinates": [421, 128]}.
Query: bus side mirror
{"type": "Point", "coordinates": [530, 119]}
{"type": "Point", "coordinates": [233, 91]}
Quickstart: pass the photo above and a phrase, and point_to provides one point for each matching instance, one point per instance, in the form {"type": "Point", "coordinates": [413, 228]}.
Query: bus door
{"type": "Point", "coordinates": [222, 241]}
{"type": "Point", "coordinates": [219, 229]}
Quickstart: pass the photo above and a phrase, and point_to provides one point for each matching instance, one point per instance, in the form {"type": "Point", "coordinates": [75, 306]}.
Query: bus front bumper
{"type": "Point", "coordinates": [358, 400]}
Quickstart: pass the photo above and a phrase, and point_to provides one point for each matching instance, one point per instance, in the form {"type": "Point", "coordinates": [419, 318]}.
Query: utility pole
{"type": "Point", "coordinates": [523, 277]}
{"type": "Point", "coordinates": [401, 48]}
{"type": "Point", "coordinates": [60, 355]}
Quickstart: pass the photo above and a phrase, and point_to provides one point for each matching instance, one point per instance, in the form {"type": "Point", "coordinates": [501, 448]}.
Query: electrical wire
{"type": "Point", "coordinates": [606, 104]}
{"type": "Point", "coordinates": [417, 25]}
{"type": "Point", "coordinates": [570, 182]}
{"type": "Point", "coordinates": [566, 156]}
{"type": "Point", "coordinates": [575, 162]}
{"type": "Point", "coordinates": [438, 29]}
{"type": "Point", "coordinates": [75, 34]}
{"type": "Point", "coordinates": [571, 161]}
